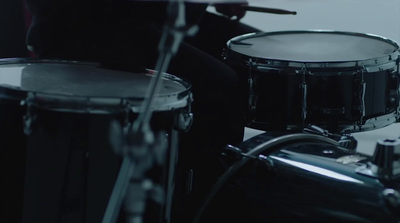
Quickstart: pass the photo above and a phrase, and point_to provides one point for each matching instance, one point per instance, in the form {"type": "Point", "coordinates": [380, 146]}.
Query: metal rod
{"type": "Point", "coordinates": [119, 191]}
{"type": "Point", "coordinates": [168, 46]}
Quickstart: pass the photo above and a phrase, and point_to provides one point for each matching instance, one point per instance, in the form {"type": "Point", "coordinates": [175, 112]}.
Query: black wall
{"type": "Point", "coordinates": [12, 29]}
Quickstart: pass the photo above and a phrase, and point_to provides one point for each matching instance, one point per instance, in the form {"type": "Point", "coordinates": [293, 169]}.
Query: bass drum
{"type": "Point", "coordinates": [58, 163]}
{"type": "Point", "coordinates": [297, 177]}
{"type": "Point", "coordinates": [339, 81]}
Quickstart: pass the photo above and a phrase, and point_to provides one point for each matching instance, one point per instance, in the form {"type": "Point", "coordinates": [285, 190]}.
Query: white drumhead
{"type": "Point", "coordinates": [74, 80]}
{"type": "Point", "coordinates": [313, 46]}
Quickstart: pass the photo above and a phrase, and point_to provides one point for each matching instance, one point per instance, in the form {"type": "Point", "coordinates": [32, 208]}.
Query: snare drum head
{"type": "Point", "coordinates": [77, 80]}
{"type": "Point", "coordinates": [313, 46]}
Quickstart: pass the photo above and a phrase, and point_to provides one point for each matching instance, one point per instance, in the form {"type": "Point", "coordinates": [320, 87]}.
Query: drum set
{"type": "Point", "coordinates": [308, 91]}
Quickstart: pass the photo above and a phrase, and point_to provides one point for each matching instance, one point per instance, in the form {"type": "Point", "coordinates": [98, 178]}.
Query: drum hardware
{"type": "Point", "coordinates": [232, 154]}
{"type": "Point", "coordinates": [361, 95]}
{"type": "Point", "coordinates": [143, 151]}
{"type": "Point", "coordinates": [251, 82]}
{"type": "Point", "coordinates": [266, 148]}
{"type": "Point", "coordinates": [395, 80]}
{"type": "Point", "coordinates": [373, 123]}
{"type": "Point", "coordinates": [385, 163]}
{"type": "Point", "coordinates": [307, 181]}
{"type": "Point", "coordinates": [363, 86]}
{"type": "Point", "coordinates": [392, 198]}
{"type": "Point", "coordinates": [380, 67]}
{"type": "Point", "coordinates": [175, 29]}
{"type": "Point", "coordinates": [346, 141]}
{"type": "Point", "coordinates": [252, 97]}
{"type": "Point", "coordinates": [303, 87]}
{"type": "Point", "coordinates": [184, 121]}
{"type": "Point", "coordinates": [29, 118]}
{"type": "Point", "coordinates": [395, 90]}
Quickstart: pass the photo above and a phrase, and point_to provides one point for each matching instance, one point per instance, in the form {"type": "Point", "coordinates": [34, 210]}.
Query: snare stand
{"type": "Point", "coordinates": [139, 147]}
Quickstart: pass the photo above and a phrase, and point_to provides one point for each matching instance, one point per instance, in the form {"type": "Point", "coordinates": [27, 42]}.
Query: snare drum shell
{"type": "Point", "coordinates": [340, 94]}
{"type": "Point", "coordinates": [71, 166]}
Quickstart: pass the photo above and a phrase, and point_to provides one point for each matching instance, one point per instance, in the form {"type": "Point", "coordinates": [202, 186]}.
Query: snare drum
{"type": "Point", "coordinates": [340, 81]}
{"type": "Point", "coordinates": [57, 158]}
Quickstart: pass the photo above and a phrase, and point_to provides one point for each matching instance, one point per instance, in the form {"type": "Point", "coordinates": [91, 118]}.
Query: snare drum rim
{"type": "Point", "coordinates": [88, 104]}
{"type": "Point", "coordinates": [277, 63]}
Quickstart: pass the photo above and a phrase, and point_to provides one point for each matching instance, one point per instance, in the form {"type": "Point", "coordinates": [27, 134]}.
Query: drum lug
{"type": "Point", "coordinates": [183, 121]}
{"type": "Point", "coordinates": [394, 79]}
{"type": "Point", "coordinates": [252, 96]}
{"type": "Point", "coordinates": [28, 118]}
{"type": "Point", "coordinates": [394, 90]}
{"type": "Point", "coordinates": [361, 86]}
{"type": "Point", "coordinates": [304, 90]}
{"type": "Point", "coordinates": [252, 83]}
{"type": "Point", "coordinates": [304, 101]}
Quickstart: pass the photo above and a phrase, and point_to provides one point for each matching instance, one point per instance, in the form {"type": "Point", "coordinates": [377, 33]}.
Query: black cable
{"type": "Point", "coordinates": [269, 147]}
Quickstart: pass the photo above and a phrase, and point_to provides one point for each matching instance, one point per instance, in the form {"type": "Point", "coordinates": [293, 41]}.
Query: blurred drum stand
{"type": "Point", "coordinates": [139, 146]}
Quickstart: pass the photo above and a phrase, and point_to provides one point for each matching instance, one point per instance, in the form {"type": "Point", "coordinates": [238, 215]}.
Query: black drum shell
{"type": "Point", "coordinates": [340, 96]}
{"type": "Point", "coordinates": [65, 168]}
{"type": "Point", "coordinates": [12, 160]}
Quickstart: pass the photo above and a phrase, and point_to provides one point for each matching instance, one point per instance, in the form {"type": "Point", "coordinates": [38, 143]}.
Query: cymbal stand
{"type": "Point", "coordinates": [140, 148]}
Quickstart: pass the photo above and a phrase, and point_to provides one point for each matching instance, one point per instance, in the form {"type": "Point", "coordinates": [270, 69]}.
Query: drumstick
{"type": "Point", "coordinates": [268, 10]}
